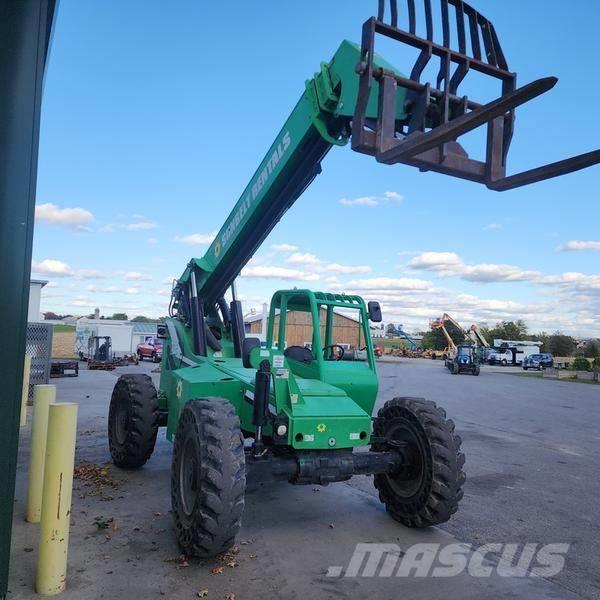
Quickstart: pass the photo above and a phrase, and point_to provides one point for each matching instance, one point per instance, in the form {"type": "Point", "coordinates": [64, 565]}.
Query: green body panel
{"type": "Point", "coordinates": [328, 404]}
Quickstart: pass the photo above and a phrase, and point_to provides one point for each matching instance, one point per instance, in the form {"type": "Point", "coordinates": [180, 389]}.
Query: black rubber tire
{"type": "Point", "coordinates": [209, 444]}
{"type": "Point", "coordinates": [427, 492]}
{"type": "Point", "coordinates": [132, 421]}
{"type": "Point", "coordinates": [504, 362]}
{"type": "Point", "coordinates": [476, 371]}
{"type": "Point", "coordinates": [140, 356]}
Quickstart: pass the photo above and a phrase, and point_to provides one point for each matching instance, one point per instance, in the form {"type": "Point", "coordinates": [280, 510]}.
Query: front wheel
{"type": "Point", "coordinates": [428, 489]}
{"type": "Point", "coordinates": [208, 477]}
{"type": "Point", "coordinates": [132, 421]}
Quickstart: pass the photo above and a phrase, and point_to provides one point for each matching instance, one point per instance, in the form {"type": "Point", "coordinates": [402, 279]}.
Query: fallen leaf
{"type": "Point", "coordinates": [253, 556]}
{"type": "Point", "coordinates": [230, 596]}
{"type": "Point", "coordinates": [216, 570]}
{"type": "Point", "coordinates": [202, 593]}
{"type": "Point", "coordinates": [331, 525]}
{"type": "Point", "coordinates": [232, 564]}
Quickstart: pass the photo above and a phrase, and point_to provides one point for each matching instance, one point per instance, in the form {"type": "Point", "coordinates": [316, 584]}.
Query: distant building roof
{"type": "Point", "coordinates": [142, 328]}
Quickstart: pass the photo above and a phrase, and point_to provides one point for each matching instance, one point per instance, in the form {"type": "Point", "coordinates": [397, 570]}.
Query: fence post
{"type": "Point", "coordinates": [56, 504]}
{"type": "Point", "coordinates": [43, 397]}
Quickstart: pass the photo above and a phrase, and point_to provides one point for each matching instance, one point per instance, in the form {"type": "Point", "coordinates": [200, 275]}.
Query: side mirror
{"type": "Point", "coordinates": [247, 346]}
{"type": "Point", "coordinates": [374, 311]}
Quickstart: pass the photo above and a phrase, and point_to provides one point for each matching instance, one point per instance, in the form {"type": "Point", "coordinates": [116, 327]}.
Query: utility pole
{"type": "Point", "coordinates": [25, 34]}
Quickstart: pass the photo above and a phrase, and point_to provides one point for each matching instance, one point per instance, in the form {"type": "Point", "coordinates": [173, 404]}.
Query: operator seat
{"type": "Point", "coordinates": [299, 353]}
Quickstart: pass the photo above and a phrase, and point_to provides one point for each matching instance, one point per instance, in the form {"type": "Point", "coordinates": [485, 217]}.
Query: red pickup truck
{"type": "Point", "coordinates": [151, 348]}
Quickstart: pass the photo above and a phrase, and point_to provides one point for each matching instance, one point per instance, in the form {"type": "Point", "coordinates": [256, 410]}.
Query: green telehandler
{"type": "Point", "coordinates": [236, 410]}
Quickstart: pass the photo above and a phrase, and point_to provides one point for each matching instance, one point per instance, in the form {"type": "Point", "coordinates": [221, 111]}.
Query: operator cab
{"type": "Point", "coordinates": [324, 336]}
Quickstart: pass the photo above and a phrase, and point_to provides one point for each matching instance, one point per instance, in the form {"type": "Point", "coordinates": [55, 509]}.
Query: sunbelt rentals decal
{"type": "Point", "coordinates": [262, 178]}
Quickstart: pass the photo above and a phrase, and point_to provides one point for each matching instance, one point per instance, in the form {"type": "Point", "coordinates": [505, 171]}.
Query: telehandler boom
{"type": "Point", "coordinates": [236, 410]}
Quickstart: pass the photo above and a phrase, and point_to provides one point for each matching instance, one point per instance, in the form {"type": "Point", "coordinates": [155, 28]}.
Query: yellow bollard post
{"type": "Point", "coordinates": [43, 396]}
{"type": "Point", "coordinates": [25, 392]}
{"type": "Point", "coordinates": [56, 504]}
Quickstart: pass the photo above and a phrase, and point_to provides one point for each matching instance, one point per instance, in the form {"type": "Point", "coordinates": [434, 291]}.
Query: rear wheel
{"type": "Point", "coordinates": [208, 477]}
{"type": "Point", "coordinates": [476, 371]}
{"type": "Point", "coordinates": [426, 491]}
{"type": "Point", "coordinates": [132, 421]}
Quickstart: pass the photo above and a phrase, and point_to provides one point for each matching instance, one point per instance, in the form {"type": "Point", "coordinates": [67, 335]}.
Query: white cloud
{"type": "Point", "coordinates": [573, 281]}
{"type": "Point", "coordinates": [197, 239]}
{"type": "Point", "coordinates": [152, 241]}
{"type": "Point", "coordinates": [395, 196]}
{"type": "Point", "coordinates": [449, 264]}
{"type": "Point", "coordinates": [383, 284]}
{"type": "Point", "coordinates": [492, 226]}
{"type": "Point", "coordinates": [91, 274]}
{"type": "Point", "coordinates": [361, 201]}
{"type": "Point", "coordinates": [140, 226]}
{"type": "Point", "coordinates": [373, 200]}
{"type": "Point", "coordinates": [265, 272]}
{"type": "Point", "coordinates": [298, 258]}
{"type": "Point", "coordinates": [132, 290]}
{"type": "Point", "coordinates": [436, 261]}
{"type": "Point", "coordinates": [577, 245]}
{"type": "Point", "coordinates": [50, 266]}
{"type": "Point", "coordinates": [347, 269]}
{"type": "Point", "coordinates": [73, 218]}
{"type": "Point", "coordinates": [285, 247]}
{"type": "Point", "coordinates": [137, 276]}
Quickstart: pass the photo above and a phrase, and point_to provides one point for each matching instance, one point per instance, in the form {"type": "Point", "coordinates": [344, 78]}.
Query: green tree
{"type": "Point", "coordinates": [119, 317]}
{"type": "Point", "coordinates": [507, 330]}
{"type": "Point", "coordinates": [581, 364]}
{"type": "Point", "coordinates": [434, 340]}
{"type": "Point", "coordinates": [592, 349]}
{"type": "Point", "coordinates": [142, 319]}
{"type": "Point", "coordinates": [561, 345]}
{"type": "Point", "coordinates": [391, 329]}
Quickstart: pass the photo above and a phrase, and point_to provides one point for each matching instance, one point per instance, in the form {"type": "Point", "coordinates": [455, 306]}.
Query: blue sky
{"type": "Point", "coordinates": [154, 120]}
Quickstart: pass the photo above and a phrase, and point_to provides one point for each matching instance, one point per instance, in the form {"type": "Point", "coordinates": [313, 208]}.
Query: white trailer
{"type": "Point", "coordinates": [120, 332]}
{"type": "Point", "coordinates": [520, 348]}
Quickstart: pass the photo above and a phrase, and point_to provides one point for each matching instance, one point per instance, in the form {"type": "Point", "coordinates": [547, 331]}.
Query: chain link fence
{"type": "Point", "coordinates": [39, 347]}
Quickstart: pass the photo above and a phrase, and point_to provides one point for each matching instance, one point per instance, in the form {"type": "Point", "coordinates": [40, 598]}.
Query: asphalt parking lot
{"type": "Point", "coordinates": [532, 477]}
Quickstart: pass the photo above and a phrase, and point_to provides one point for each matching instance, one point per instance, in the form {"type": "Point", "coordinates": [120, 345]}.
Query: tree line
{"type": "Point", "coordinates": [557, 343]}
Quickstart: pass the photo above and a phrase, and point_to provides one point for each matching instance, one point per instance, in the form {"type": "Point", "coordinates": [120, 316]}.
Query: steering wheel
{"type": "Point", "coordinates": [340, 353]}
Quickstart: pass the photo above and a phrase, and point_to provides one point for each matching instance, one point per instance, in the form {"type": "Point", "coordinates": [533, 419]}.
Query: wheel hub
{"type": "Point", "coordinates": [188, 478]}
{"type": "Point", "coordinates": [408, 481]}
